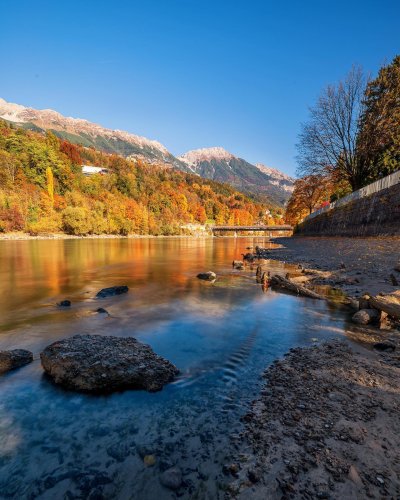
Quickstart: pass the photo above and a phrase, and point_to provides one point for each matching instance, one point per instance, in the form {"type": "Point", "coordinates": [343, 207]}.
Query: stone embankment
{"type": "Point", "coordinates": [371, 211]}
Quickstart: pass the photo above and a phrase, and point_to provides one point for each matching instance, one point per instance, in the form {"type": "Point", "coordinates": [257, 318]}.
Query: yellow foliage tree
{"type": "Point", "coordinates": [50, 184]}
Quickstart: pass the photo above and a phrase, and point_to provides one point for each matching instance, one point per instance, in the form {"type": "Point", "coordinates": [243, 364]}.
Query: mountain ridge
{"type": "Point", "coordinates": [213, 163]}
{"type": "Point", "coordinates": [220, 165]}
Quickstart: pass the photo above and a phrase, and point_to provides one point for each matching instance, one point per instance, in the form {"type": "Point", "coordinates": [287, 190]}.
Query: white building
{"type": "Point", "coordinates": [91, 170]}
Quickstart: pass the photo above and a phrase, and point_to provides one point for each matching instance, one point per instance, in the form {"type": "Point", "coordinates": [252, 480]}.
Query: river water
{"type": "Point", "coordinates": [56, 444]}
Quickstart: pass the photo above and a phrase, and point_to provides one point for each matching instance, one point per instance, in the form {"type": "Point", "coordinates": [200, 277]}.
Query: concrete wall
{"type": "Point", "coordinates": [373, 215]}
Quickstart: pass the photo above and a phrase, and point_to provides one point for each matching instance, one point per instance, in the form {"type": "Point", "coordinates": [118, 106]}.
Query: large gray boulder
{"type": "Point", "coordinates": [9, 360]}
{"type": "Point", "coordinates": [93, 363]}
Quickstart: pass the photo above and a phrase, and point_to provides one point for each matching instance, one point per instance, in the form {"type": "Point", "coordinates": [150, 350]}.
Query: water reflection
{"type": "Point", "coordinates": [58, 444]}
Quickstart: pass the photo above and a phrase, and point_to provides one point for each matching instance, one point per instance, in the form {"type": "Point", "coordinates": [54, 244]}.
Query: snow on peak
{"type": "Point", "coordinates": [205, 154]}
{"type": "Point", "coordinates": [48, 118]}
{"type": "Point", "coordinates": [278, 178]}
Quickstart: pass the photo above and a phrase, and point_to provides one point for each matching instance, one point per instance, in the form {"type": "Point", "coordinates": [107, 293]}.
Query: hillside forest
{"type": "Point", "coordinates": [43, 190]}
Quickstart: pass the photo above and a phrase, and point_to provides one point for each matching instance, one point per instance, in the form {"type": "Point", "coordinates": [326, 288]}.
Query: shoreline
{"type": "Point", "coordinates": [354, 265]}
{"type": "Point", "coordinates": [64, 236]}
{"type": "Point", "coordinates": [324, 424]}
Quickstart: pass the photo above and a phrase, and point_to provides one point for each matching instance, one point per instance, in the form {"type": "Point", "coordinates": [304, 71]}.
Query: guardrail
{"type": "Point", "coordinates": [375, 187]}
{"type": "Point", "coordinates": [284, 227]}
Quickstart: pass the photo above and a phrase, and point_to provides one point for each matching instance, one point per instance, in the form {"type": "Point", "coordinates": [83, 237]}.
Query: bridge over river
{"type": "Point", "coordinates": [259, 228]}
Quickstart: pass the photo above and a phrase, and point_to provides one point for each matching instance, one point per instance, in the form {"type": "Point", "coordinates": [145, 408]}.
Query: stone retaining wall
{"type": "Point", "coordinates": [374, 215]}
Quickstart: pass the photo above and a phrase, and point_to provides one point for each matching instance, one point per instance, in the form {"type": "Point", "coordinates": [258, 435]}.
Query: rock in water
{"type": "Point", "coordinates": [64, 303]}
{"type": "Point", "coordinates": [93, 363]}
{"type": "Point", "coordinates": [171, 478]}
{"type": "Point", "coordinates": [101, 310]}
{"type": "Point", "coordinates": [208, 276]}
{"type": "Point", "coordinates": [112, 291]}
{"type": "Point", "coordinates": [9, 360]}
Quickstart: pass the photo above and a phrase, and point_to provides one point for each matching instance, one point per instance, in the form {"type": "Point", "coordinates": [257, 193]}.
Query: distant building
{"type": "Point", "coordinates": [91, 170]}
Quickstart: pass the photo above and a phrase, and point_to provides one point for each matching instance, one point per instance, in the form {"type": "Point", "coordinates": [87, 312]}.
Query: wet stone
{"type": "Point", "coordinates": [171, 478]}
{"type": "Point", "coordinates": [118, 451]}
{"type": "Point", "coordinates": [100, 364]}
{"type": "Point", "coordinates": [208, 276]}
{"type": "Point", "coordinates": [64, 303]}
{"type": "Point", "coordinates": [112, 291]}
{"type": "Point", "coordinates": [101, 310]}
{"type": "Point", "coordinates": [9, 360]}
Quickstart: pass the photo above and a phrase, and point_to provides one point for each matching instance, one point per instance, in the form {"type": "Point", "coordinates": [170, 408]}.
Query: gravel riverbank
{"type": "Point", "coordinates": [325, 424]}
{"type": "Point", "coordinates": [357, 265]}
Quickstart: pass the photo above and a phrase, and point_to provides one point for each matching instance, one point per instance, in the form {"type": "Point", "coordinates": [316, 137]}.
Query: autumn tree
{"type": "Point", "coordinates": [50, 184]}
{"type": "Point", "coordinates": [72, 152]}
{"type": "Point", "coordinates": [309, 193]}
{"type": "Point", "coordinates": [328, 140]}
{"type": "Point", "coordinates": [8, 168]}
{"type": "Point", "coordinates": [379, 137]}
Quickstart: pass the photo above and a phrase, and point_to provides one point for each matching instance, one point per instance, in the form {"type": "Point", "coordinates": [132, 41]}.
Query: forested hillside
{"type": "Point", "coordinates": [43, 190]}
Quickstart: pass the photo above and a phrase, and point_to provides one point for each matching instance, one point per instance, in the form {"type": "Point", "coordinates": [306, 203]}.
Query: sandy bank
{"type": "Point", "coordinates": [325, 426]}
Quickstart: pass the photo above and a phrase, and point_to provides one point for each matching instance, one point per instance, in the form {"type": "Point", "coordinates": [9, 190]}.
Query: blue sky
{"type": "Point", "coordinates": [192, 73]}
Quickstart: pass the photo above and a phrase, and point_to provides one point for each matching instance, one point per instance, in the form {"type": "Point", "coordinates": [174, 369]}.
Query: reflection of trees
{"type": "Point", "coordinates": [43, 270]}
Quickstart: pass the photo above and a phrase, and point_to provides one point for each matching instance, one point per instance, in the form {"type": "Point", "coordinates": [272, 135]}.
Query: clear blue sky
{"type": "Point", "coordinates": [192, 73]}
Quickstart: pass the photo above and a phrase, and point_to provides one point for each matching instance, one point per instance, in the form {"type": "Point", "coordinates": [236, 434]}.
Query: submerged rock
{"type": "Point", "coordinates": [112, 291]}
{"type": "Point", "coordinates": [208, 276]}
{"type": "Point", "coordinates": [237, 264]}
{"type": "Point", "coordinates": [248, 256]}
{"type": "Point", "coordinates": [9, 360]}
{"type": "Point", "coordinates": [64, 303]}
{"type": "Point", "coordinates": [171, 478]}
{"type": "Point", "coordinates": [93, 363]}
{"type": "Point", "coordinates": [101, 310]}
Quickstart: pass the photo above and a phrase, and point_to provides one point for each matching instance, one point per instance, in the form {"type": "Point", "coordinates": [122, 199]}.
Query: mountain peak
{"type": "Point", "coordinates": [50, 119]}
{"type": "Point", "coordinates": [206, 154]}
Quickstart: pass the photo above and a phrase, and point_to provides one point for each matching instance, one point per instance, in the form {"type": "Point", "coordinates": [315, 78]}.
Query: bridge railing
{"type": "Point", "coordinates": [285, 227]}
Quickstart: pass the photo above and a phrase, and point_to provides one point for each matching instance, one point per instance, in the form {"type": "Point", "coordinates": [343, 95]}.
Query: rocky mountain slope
{"type": "Point", "coordinates": [211, 163]}
{"type": "Point", "coordinates": [88, 134]}
{"type": "Point", "coordinates": [220, 165]}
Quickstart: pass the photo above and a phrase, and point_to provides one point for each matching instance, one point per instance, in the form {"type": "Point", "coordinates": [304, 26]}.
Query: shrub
{"type": "Point", "coordinates": [11, 219]}
{"type": "Point", "coordinates": [44, 226]}
{"type": "Point", "coordinates": [76, 220]}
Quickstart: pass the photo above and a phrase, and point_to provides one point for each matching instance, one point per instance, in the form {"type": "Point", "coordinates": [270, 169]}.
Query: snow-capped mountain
{"type": "Point", "coordinates": [220, 165]}
{"type": "Point", "coordinates": [278, 178]}
{"type": "Point", "coordinates": [212, 163]}
{"type": "Point", "coordinates": [90, 134]}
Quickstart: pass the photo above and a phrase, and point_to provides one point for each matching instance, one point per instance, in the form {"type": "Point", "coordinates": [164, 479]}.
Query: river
{"type": "Point", "coordinates": [59, 444]}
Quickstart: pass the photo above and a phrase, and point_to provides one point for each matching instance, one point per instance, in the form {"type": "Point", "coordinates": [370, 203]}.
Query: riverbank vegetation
{"type": "Point", "coordinates": [43, 190]}
{"type": "Point", "coordinates": [352, 138]}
